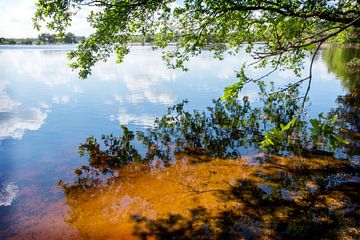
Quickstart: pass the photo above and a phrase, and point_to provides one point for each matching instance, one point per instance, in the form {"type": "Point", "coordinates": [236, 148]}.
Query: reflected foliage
{"type": "Point", "coordinates": [349, 119]}
{"type": "Point", "coordinates": [223, 131]}
{"type": "Point", "coordinates": [102, 163]}
{"type": "Point", "coordinates": [119, 151]}
{"type": "Point", "coordinates": [218, 132]}
{"type": "Point", "coordinates": [344, 63]}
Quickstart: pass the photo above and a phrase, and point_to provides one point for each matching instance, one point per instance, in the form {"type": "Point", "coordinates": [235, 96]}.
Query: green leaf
{"type": "Point", "coordinates": [333, 119]}
{"type": "Point", "coordinates": [289, 124]}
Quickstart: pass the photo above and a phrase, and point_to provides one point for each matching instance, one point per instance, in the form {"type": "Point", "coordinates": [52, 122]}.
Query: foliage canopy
{"type": "Point", "coordinates": [285, 28]}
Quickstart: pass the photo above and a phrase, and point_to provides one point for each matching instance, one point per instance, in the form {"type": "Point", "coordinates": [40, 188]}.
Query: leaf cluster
{"type": "Point", "coordinates": [285, 29]}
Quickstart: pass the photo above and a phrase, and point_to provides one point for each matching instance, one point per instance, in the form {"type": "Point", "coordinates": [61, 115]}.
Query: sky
{"type": "Point", "coordinates": [16, 20]}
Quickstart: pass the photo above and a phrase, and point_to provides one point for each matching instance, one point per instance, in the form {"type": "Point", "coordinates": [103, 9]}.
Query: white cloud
{"type": "Point", "coordinates": [135, 98]}
{"type": "Point", "coordinates": [14, 124]}
{"type": "Point", "coordinates": [158, 97]}
{"type": "Point", "coordinates": [80, 26]}
{"type": "Point", "coordinates": [16, 20]}
{"type": "Point", "coordinates": [61, 99]}
{"type": "Point", "coordinates": [149, 95]}
{"type": "Point", "coordinates": [52, 70]}
{"type": "Point", "coordinates": [8, 193]}
{"type": "Point", "coordinates": [15, 119]}
{"type": "Point", "coordinates": [6, 103]}
{"type": "Point", "coordinates": [148, 75]}
{"type": "Point", "coordinates": [226, 73]}
{"type": "Point", "coordinates": [118, 98]}
{"type": "Point", "coordinates": [125, 118]}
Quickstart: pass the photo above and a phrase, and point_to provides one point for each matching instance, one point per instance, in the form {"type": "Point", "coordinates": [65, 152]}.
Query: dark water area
{"type": "Point", "coordinates": [46, 112]}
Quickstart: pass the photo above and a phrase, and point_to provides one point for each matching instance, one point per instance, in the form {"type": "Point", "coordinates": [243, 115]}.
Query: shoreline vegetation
{"type": "Point", "coordinates": [70, 38]}
{"type": "Point", "coordinates": [43, 39]}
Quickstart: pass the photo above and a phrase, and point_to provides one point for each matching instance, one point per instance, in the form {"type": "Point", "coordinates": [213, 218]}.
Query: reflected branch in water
{"type": "Point", "coordinates": [349, 120]}
{"type": "Point", "coordinates": [338, 60]}
{"type": "Point", "coordinates": [344, 62]}
{"type": "Point", "coordinates": [223, 131]}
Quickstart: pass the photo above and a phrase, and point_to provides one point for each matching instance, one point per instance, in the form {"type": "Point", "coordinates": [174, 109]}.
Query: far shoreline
{"type": "Point", "coordinates": [324, 45]}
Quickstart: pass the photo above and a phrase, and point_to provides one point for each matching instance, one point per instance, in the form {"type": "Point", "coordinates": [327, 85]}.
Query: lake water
{"type": "Point", "coordinates": [46, 112]}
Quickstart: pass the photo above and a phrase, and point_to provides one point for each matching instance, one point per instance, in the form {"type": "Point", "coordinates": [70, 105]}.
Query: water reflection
{"type": "Point", "coordinates": [143, 79]}
{"type": "Point", "coordinates": [8, 193]}
{"type": "Point", "coordinates": [46, 111]}
{"type": "Point", "coordinates": [239, 197]}
{"type": "Point", "coordinates": [224, 131]}
{"type": "Point", "coordinates": [337, 60]}
{"type": "Point", "coordinates": [211, 191]}
{"type": "Point", "coordinates": [349, 116]}
{"type": "Point", "coordinates": [199, 195]}
{"type": "Point", "coordinates": [124, 118]}
{"type": "Point", "coordinates": [16, 119]}
{"type": "Point", "coordinates": [14, 124]}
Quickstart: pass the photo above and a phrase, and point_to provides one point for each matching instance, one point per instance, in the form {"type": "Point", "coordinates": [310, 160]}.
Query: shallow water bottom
{"type": "Point", "coordinates": [253, 197]}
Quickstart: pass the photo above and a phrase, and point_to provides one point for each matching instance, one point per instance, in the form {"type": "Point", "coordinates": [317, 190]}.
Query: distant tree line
{"type": "Point", "coordinates": [43, 38]}
{"type": "Point", "coordinates": [69, 38]}
{"type": "Point", "coordinates": [350, 36]}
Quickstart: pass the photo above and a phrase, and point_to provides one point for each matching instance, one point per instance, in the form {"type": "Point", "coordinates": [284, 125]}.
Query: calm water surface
{"type": "Point", "coordinates": [46, 112]}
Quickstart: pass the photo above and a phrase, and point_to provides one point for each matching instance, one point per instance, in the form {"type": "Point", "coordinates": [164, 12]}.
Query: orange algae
{"type": "Point", "coordinates": [106, 213]}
